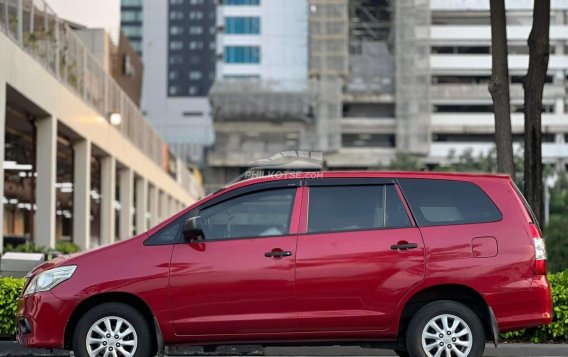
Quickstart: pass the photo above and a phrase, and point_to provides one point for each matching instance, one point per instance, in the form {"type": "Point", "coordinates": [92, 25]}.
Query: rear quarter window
{"type": "Point", "coordinates": [444, 202]}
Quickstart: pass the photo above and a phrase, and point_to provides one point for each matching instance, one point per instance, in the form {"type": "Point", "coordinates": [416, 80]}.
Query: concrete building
{"type": "Point", "coordinates": [460, 67]}
{"type": "Point", "coordinates": [176, 40]}
{"type": "Point", "coordinates": [265, 99]}
{"type": "Point", "coordinates": [383, 76]}
{"type": "Point", "coordinates": [80, 161]}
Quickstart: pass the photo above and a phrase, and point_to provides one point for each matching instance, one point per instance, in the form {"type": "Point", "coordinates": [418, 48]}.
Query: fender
{"type": "Point", "coordinates": [426, 285]}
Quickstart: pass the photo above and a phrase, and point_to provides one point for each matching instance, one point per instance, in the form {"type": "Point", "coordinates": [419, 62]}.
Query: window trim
{"type": "Point", "coordinates": [303, 228]}
{"type": "Point", "coordinates": [340, 181]}
{"type": "Point", "coordinates": [261, 186]}
{"type": "Point", "coordinates": [442, 224]}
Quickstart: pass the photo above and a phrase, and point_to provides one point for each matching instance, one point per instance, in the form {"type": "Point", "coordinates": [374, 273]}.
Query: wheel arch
{"type": "Point", "coordinates": [119, 297]}
{"type": "Point", "coordinates": [455, 292]}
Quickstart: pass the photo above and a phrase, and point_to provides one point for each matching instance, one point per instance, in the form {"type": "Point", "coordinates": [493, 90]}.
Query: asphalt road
{"type": "Point", "coordinates": [8, 348]}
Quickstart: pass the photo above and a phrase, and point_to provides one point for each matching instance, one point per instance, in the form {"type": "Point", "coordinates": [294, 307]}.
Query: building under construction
{"type": "Point", "coordinates": [320, 75]}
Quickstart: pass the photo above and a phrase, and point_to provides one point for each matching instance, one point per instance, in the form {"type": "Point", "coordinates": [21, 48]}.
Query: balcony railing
{"type": "Point", "coordinates": [35, 27]}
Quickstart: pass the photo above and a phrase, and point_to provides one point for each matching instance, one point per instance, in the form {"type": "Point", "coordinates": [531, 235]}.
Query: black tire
{"type": "Point", "coordinates": [123, 311]}
{"type": "Point", "coordinates": [401, 353]}
{"type": "Point", "coordinates": [439, 308]}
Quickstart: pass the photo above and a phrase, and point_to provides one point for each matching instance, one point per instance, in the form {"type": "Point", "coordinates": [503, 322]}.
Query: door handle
{"type": "Point", "coordinates": [404, 246]}
{"type": "Point", "coordinates": [278, 254]}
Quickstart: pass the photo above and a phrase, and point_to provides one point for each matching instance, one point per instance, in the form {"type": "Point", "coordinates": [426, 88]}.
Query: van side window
{"type": "Point", "coordinates": [171, 234]}
{"type": "Point", "coordinates": [443, 202]}
{"type": "Point", "coordinates": [346, 208]}
{"type": "Point", "coordinates": [257, 214]}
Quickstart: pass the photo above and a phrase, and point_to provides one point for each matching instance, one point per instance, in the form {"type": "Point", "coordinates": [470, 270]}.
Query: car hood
{"type": "Point", "coordinates": [75, 258]}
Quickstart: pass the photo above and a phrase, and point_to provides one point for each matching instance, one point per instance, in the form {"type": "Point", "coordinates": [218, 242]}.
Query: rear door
{"type": "Point", "coordinates": [358, 255]}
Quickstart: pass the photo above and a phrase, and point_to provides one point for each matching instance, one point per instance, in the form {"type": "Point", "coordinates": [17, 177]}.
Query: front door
{"type": "Point", "coordinates": [359, 255]}
{"type": "Point", "coordinates": [240, 278]}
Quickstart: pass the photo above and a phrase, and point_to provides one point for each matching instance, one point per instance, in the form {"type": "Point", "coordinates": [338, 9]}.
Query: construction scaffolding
{"type": "Point", "coordinates": [260, 100]}
{"type": "Point", "coordinates": [329, 66]}
{"type": "Point", "coordinates": [329, 36]}
{"type": "Point", "coordinates": [372, 64]}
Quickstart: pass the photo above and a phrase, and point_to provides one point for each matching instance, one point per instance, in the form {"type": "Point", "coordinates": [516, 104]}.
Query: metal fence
{"type": "Point", "coordinates": [34, 26]}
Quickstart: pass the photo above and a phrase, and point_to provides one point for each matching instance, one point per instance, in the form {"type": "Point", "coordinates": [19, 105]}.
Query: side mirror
{"type": "Point", "coordinates": [192, 229]}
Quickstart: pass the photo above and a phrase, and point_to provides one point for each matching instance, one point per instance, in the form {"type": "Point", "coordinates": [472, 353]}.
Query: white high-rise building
{"type": "Point", "coordinates": [264, 40]}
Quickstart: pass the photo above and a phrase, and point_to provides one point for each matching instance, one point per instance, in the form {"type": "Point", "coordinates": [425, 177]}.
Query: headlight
{"type": "Point", "coordinates": [49, 279]}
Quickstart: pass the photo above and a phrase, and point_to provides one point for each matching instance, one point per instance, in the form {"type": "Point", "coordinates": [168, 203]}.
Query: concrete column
{"type": "Point", "coordinates": [126, 177]}
{"type": "Point", "coordinates": [153, 198]}
{"type": "Point", "coordinates": [141, 205]}
{"type": "Point", "coordinates": [173, 208]}
{"type": "Point", "coordinates": [2, 156]}
{"type": "Point", "coordinates": [163, 206]}
{"type": "Point", "coordinates": [46, 164]}
{"type": "Point", "coordinates": [82, 194]}
{"type": "Point", "coordinates": [559, 106]}
{"type": "Point", "coordinates": [108, 193]}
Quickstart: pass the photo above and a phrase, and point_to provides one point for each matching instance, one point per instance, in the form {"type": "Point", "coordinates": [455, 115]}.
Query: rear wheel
{"type": "Point", "coordinates": [445, 329]}
{"type": "Point", "coordinates": [112, 330]}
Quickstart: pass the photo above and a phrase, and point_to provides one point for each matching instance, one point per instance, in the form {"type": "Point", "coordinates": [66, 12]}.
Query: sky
{"type": "Point", "coordinates": [91, 13]}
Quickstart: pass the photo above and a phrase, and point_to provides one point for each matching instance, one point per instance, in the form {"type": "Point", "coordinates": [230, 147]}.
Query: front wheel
{"type": "Point", "coordinates": [445, 329]}
{"type": "Point", "coordinates": [112, 330]}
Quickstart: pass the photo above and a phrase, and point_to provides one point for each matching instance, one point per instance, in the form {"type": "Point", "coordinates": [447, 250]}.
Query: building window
{"type": "Point", "coordinates": [196, 45]}
{"type": "Point", "coordinates": [242, 25]}
{"type": "Point", "coordinates": [176, 2]}
{"type": "Point", "coordinates": [130, 15]}
{"type": "Point", "coordinates": [194, 75]}
{"type": "Point", "coordinates": [196, 2]}
{"type": "Point", "coordinates": [173, 90]}
{"type": "Point", "coordinates": [241, 2]}
{"type": "Point", "coordinates": [176, 59]}
{"type": "Point", "coordinates": [192, 90]}
{"type": "Point", "coordinates": [196, 30]}
{"type": "Point", "coordinates": [132, 31]}
{"type": "Point", "coordinates": [176, 15]}
{"type": "Point", "coordinates": [368, 140]}
{"type": "Point", "coordinates": [176, 45]}
{"type": "Point", "coordinates": [242, 54]}
{"type": "Point", "coordinates": [174, 75]}
{"type": "Point", "coordinates": [195, 15]}
{"type": "Point", "coordinates": [176, 30]}
{"type": "Point", "coordinates": [195, 60]}
{"type": "Point", "coordinates": [131, 2]}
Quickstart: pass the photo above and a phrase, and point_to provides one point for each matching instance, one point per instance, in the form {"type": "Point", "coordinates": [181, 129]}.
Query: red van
{"type": "Point", "coordinates": [430, 264]}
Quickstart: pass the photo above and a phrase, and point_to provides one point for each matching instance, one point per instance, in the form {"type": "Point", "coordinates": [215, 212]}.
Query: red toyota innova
{"type": "Point", "coordinates": [430, 264]}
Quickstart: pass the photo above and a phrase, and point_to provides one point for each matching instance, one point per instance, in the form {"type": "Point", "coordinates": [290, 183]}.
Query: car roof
{"type": "Point", "coordinates": [365, 174]}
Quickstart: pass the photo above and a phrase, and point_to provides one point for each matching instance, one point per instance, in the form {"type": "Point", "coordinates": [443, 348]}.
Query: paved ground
{"type": "Point", "coordinates": [505, 350]}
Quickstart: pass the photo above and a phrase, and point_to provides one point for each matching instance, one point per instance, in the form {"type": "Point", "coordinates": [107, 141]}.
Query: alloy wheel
{"type": "Point", "coordinates": [447, 336]}
{"type": "Point", "coordinates": [111, 336]}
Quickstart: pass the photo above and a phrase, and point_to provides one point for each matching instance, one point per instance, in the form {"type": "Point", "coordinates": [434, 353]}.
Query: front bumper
{"type": "Point", "coordinates": [41, 320]}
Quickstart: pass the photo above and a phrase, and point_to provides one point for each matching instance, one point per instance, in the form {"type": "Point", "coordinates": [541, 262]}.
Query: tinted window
{"type": "Point", "coordinates": [438, 202]}
{"type": "Point", "coordinates": [265, 213]}
{"type": "Point", "coordinates": [344, 208]}
{"type": "Point", "coordinates": [171, 233]}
